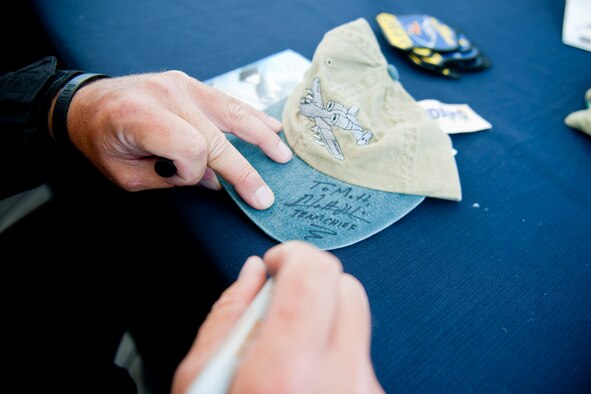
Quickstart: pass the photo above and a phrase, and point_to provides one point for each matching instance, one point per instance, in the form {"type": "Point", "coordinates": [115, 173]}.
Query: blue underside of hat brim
{"type": "Point", "coordinates": [315, 207]}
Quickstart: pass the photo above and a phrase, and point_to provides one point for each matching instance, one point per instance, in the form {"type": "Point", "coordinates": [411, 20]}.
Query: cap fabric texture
{"type": "Point", "coordinates": [366, 153]}
{"type": "Point", "coordinates": [350, 120]}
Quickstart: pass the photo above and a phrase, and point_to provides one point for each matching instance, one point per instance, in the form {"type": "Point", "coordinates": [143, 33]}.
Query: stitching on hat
{"type": "Point", "coordinates": [333, 114]}
{"type": "Point", "coordinates": [407, 159]}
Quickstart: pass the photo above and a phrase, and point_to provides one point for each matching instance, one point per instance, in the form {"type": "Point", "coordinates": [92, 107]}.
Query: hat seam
{"type": "Point", "coordinates": [410, 142]}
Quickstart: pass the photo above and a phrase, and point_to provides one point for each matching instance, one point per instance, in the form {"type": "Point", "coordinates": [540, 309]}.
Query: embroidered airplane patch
{"type": "Point", "coordinates": [333, 114]}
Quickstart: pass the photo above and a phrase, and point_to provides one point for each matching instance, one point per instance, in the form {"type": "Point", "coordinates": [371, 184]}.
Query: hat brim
{"type": "Point", "coordinates": [315, 207]}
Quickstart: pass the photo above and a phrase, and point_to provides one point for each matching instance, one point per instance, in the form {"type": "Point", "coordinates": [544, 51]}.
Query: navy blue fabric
{"type": "Point", "coordinates": [491, 294]}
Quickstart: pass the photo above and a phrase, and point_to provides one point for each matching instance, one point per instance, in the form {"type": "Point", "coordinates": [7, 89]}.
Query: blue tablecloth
{"type": "Point", "coordinates": [491, 294]}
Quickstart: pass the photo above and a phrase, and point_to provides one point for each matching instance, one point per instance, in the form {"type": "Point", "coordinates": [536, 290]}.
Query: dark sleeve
{"type": "Point", "coordinates": [26, 149]}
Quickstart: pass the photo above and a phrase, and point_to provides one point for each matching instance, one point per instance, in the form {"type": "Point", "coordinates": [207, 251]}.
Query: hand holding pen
{"type": "Point", "coordinates": [312, 337]}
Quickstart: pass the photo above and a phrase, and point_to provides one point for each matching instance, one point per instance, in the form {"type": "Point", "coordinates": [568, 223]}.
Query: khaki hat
{"type": "Point", "coordinates": [366, 154]}
{"type": "Point", "coordinates": [349, 119]}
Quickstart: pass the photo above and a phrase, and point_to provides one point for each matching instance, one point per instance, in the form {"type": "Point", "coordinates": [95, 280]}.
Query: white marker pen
{"type": "Point", "coordinates": [219, 371]}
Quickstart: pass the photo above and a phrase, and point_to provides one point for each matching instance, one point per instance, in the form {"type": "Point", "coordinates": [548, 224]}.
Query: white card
{"type": "Point", "coordinates": [454, 118]}
{"type": "Point", "coordinates": [576, 27]}
{"type": "Point", "coordinates": [265, 81]}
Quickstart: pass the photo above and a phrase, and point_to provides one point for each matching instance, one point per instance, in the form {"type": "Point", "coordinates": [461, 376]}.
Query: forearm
{"type": "Point", "coordinates": [26, 147]}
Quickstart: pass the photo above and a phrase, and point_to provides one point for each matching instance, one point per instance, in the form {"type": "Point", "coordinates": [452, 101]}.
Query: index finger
{"type": "Point", "coordinates": [222, 317]}
{"type": "Point", "coordinates": [301, 315]}
{"type": "Point", "coordinates": [193, 141]}
{"type": "Point", "coordinates": [244, 121]}
{"type": "Point", "coordinates": [226, 160]}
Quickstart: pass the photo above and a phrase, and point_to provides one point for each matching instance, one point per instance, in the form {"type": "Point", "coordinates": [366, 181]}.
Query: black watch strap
{"type": "Point", "coordinates": [62, 103]}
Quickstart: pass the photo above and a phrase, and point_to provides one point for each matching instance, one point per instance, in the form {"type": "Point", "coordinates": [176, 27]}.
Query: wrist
{"type": "Point", "coordinates": [60, 103]}
{"type": "Point", "coordinates": [50, 114]}
{"type": "Point", "coordinates": [59, 79]}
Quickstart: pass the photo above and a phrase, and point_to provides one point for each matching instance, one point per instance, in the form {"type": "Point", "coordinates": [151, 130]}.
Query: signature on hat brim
{"type": "Point", "coordinates": [315, 207]}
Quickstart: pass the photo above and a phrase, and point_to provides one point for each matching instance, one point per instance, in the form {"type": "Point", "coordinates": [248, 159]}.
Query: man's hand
{"type": "Point", "coordinates": [122, 125]}
{"type": "Point", "coordinates": [316, 334]}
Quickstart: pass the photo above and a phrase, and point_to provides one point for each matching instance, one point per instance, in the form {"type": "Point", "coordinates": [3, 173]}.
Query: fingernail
{"type": "Point", "coordinates": [210, 180]}
{"type": "Point", "coordinates": [251, 267]}
{"type": "Point", "coordinates": [264, 197]}
{"type": "Point", "coordinates": [274, 123]}
{"type": "Point", "coordinates": [284, 150]}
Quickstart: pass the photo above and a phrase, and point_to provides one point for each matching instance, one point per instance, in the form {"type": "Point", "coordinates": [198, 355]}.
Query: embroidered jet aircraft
{"type": "Point", "coordinates": [334, 114]}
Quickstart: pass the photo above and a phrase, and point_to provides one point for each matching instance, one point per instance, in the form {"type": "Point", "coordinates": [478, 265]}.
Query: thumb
{"type": "Point", "coordinates": [222, 317]}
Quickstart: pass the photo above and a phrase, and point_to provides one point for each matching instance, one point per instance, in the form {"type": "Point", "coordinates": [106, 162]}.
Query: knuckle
{"type": "Point", "coordinates": [353, 286]}
{"type": "Point", "coordinates": [219, 148]}
{"type": "Point", "coordinates": [245, 174]}
{"type": "Point", "coordinates": [176, 74]}
{"type": "Point", "coordinates": [196, 150]}
{"type": "Point", "coordinates": [313, 258]}
{"type": "Point", "coordinates": [235, 113]}
{"type": "Point", "coordinates": [229, 304]}
{"type": "Point", "coordinates": [167, 83]}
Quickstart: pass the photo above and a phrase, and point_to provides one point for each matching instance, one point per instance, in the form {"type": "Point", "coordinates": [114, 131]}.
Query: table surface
{"type": "Point", "coordinates": [492, 293]}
